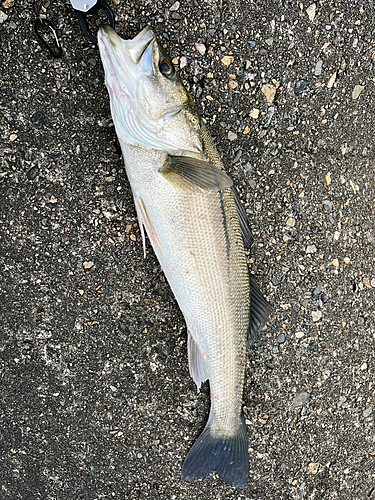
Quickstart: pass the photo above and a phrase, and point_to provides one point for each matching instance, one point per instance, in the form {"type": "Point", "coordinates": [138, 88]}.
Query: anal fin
{"type": "Point", "coordinates": [198, 366]}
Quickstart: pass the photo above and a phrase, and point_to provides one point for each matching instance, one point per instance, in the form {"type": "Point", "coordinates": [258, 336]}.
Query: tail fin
{"type": "Point", "coordinates": [227, 455]}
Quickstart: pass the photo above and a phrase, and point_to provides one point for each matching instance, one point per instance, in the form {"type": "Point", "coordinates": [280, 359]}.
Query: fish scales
{"type": "Point", "coordinates": [185, 202]}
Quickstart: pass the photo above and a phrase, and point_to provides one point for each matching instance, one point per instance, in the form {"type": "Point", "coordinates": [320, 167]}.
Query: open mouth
{"type": "Point", "coordinates": [139, 45]}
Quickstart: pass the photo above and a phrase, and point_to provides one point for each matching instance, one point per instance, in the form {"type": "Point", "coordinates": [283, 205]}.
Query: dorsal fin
{"type": "Point", "coordinates": [259, 311]}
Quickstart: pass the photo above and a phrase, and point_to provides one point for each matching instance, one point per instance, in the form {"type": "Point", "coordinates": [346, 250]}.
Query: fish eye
{"type": "Point", "coordinates": [166, 68]}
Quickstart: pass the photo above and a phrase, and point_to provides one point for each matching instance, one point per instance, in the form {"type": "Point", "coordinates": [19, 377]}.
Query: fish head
{"type": "Point", "coordinates": [149, 104]}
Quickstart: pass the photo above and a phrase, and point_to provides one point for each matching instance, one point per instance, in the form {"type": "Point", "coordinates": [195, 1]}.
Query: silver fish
{"type": "Point", "coordinates": [197, 227]}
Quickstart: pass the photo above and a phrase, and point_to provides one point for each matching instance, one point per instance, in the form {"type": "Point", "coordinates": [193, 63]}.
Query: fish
{"type": "Point", "coordinates": [197, 226]}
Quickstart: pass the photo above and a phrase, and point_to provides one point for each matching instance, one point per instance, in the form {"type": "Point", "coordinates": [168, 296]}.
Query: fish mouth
{"type": "Point", "coordinates": [117, 48]}
{"type": "Point", "coordinates": [139, 45]}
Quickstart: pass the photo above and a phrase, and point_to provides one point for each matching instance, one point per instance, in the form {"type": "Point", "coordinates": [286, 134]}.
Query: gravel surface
{"type": "Point", "coordinates": [96, 400]}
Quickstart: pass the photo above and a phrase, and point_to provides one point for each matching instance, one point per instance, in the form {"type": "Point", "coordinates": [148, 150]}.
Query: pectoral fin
{"type": "Point", "coordinates": [144, 221]}
{"type": "Point", "coordinates": [184, 171]}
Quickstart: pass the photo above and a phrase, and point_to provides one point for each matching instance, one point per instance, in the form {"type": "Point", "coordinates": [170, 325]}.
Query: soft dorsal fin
{"type": "Point", "coordinates": [247, 236]}
{"type": "Point", "coordinates": [259, 311]}
{"type": "Point", "coordinates": [182, 171]}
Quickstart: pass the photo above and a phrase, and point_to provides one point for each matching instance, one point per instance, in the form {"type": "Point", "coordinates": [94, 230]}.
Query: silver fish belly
{"type": "Point", "coordinates": [186, 203]}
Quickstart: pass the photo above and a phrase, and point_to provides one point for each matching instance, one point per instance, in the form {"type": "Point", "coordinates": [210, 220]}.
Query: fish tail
{"type": "Point", "coordinates": [227, 455]}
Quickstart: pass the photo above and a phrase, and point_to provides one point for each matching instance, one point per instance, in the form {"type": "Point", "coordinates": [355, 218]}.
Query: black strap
{"type": "Point", "coordinates": [41, 28]}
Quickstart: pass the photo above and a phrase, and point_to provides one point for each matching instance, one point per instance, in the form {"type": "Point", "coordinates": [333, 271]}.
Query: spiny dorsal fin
{"type": "Point", "coordinates": [211, 151]}
{"type": "Point", "coordinates": [210, 148]}
{"type": "Point", "coordinates": [184, 171]}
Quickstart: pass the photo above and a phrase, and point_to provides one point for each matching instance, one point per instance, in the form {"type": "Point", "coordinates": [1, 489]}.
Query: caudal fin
{"type": "Point", "coordinates": [227, 455]}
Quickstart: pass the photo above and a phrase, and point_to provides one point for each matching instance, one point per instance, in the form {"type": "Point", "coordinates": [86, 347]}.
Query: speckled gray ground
{"type": "Point", "coordinates": [96, 400]}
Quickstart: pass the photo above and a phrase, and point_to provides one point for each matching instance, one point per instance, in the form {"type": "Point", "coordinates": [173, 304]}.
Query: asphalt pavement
{"type": "Point", "coordinates": [96, 401]}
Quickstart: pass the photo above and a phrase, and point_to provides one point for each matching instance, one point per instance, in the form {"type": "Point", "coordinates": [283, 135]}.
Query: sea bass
{"type": "Point", "coordinates": [197, 227]}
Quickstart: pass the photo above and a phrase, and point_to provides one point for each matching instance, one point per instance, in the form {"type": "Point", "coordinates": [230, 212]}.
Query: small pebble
{"type": "Point", "coordinates": [313, 467]}
{"type": "Point", "coordinates": [268, 117]}
{"type": "Point", "coordinates": [269, 41]}
{"type": "Point", "coordinates": [201, 48]}
{"type": "Point", "coordinates": [32, 173]}
{"type": "Point", "coordinates": [316, 316]}
{"type": "Point", "coordinates": [293, 313]}
{"type": "Point", "coordinates": [367, 412]}
{"type": "Point", "coordinates": [88, 264]}
{"type": "Point", "coordinates": [299, 335]}
{"type": "Point", "coordinates": [281, 338]}
{"type": "Point", "coordinates": [335, 263]}
{"type": "Point", "coordinates": [356, 91]}
{"type": "Point", "coordinates": [332, 80]}
{"type": "Point", "coordinates": [318, 68]}
{"type": "Point", "coordinates": [317, 291]}
{"type": "Point", "coordinates": [310, 11]}
{"type": "Point", "coordinates": [38, 119]}
{"type": "Point", "coordinates": [175, 6]}
{"type": "Point", "coordinates": [291, 222]}
{"type": "Point", "coordinates": [3, 17]}
{"type": "Point", "coordinates": [227, 60]}
{"type": "Point", "coordinates": [341, 401]}
{"type": "Point", "coordinates": [300, 86]}
{"type": "Point", "coordinates": [254, 113]}
{"type": "Point", "coordinates": [366, 282]}
{"type": "Point", "coordinates": [275, 350]}
{"type": "Point", "coordinates": [238, 156]}
{"type": "Point", "coordinates": [311, 249]}
{"type": "Point", "coordinates": [301, 399]}
{"type": "Point", "coordinates": [232, 136]}
{"type": "Point", "coordinates": [274, 281]}
{"type": "Point", "coordinates": [269, 91]}
{"type": "Point", "coordinates": [251, 43]}
{"type": "Point", "coordinates": [327, 205]}
{"type": "Point", "coordinates": [324, 298]}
